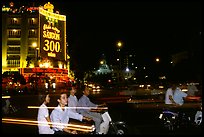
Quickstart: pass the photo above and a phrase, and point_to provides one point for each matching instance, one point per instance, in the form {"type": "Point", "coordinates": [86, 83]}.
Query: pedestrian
{"type": "Point", "coordinates": [44, 126]}
{"type": "Point", "coordinates": [61, 114]}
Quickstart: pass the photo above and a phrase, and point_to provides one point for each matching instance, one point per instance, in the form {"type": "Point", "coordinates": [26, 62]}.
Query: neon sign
{"type": "Point", "coordinates": [52, 33]}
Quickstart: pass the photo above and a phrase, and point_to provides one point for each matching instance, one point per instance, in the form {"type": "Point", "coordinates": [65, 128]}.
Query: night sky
{"type": "Point", "coordinates": [150, 28]}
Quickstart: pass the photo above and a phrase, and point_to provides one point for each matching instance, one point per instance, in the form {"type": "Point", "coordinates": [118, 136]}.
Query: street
{"type": "Point", "coordinates": [141, 118]}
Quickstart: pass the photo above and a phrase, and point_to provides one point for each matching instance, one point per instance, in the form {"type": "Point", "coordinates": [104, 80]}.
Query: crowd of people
{"type": "Point", "coordinates": [56, 122]}
{"type": "Point", "coordinates": [81, 109]}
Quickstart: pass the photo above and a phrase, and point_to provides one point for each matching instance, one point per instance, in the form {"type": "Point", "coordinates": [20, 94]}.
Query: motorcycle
{"type": "Point", "coordinates": [174, 120]}
{"type": "Point", "coordinates": [110, 127]}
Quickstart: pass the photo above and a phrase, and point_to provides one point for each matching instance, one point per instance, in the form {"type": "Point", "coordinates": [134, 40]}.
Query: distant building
{"type": "Point", "coordinates": [103, 68]}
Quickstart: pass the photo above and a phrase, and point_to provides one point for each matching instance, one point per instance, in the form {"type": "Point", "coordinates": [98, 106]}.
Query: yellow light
{"type": "Point", "coordinates": [119, 44]}
{"type": "Point", "coordinates": [157, 59]}
{"type": "Point", "coordinates": [52, 15]}
{"type": "Point", "coordinates": [101, 62]}
{"type": "Point", "coordinates": [46, 64]}
{"type": "Point", "coordinates": [31, 122]}
{"type": "Point", "coordinates": [34, 44]}
{"type": "Point", "coordinates": [6, 97]}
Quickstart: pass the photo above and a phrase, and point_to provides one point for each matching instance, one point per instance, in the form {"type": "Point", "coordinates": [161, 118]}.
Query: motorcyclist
{"type": "Point", "coordinates": [175, 96]}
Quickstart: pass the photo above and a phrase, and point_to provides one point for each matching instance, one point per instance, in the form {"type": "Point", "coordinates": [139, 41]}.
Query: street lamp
{"type": "Point", "coordinates": [34, 44]}
{"type": "Point", "coordinates": [157, 59]}
{"type": "Point", "coordinates": [119, 46]}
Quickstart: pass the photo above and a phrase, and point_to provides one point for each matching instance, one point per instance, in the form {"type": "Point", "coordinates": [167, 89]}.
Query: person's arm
{"type": "Point", "coordinates": [172, 100]}
{"type": "Point", "coordinates": [48, 120]}
{"type": "Point", "coordinates": [74, 115]}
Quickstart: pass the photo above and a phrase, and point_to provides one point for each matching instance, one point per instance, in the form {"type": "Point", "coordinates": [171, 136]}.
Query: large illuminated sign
{"type": "Point", "coordinates": [52, 33]}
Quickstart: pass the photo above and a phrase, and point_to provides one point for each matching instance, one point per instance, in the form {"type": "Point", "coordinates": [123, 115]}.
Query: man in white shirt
{"type": "Point", "coordinates": [61, 114]}
{"type": "Point", "coordinates": [174, 95]}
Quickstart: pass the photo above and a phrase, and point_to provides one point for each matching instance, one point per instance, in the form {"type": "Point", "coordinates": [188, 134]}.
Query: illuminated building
{"type": "Point", "coordinates": [36, 35]}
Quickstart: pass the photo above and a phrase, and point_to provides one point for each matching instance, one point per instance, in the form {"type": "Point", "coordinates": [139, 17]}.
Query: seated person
{"type": "Point", "coordinates": [43, 115]}
{"type": "Point", "coordinates": [85, 102]}
{"type": "Point", "coordinates": [175, 96]}
{"type": "Point", "coordinates": [61, 115]}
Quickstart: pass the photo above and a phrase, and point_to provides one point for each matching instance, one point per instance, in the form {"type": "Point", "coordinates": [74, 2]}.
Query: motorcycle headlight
{"type": "Point", "coordinates": [160, 116]}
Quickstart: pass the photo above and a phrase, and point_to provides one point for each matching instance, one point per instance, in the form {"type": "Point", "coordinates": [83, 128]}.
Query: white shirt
{"type": "Point", "coordinates": [43, 126]}
{"type": "Point", "coordinates": [72, 102]}
{"type": "Point", "coordinates": [62, 116]}
{"type": "Point", "coordinates": [177, 96]}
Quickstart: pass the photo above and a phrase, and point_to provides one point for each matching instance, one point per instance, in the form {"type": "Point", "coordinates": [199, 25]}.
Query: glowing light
{"type": "Point", "coordinates": [31, 122]}
{"type": "Point", "coordinates": [6, 97]}
{"type": "Point", "coordinates": [34, 44]}
{"type": "Point", "coordinates": [101, 108]}
{"type": "Point", "coordinates": [127, 70]}
{"type": "Point", "coordinates": [52, 15]}
{"type": "Point", "coordinates": [119, 44]}
{"type": "Point", "coordinates": [157, 60]}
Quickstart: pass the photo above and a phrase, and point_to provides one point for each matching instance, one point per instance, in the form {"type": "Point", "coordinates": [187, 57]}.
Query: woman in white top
{"type": "Point", "coordinates": [43, 116]}
{"type": "Point", "coordinates": [72, 100]}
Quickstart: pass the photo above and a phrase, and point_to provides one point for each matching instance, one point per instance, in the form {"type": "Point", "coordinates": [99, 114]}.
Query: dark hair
{"type": "Point", "coordinates": [59, 95]}
{"type": "Point", "coordinates": [42, 96]}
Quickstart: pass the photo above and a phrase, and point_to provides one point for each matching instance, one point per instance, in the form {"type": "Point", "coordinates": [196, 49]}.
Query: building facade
{"type": "Point", "coordinates": [34, 37]}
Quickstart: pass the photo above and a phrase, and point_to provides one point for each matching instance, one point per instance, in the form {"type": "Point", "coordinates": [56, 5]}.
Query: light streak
{"type": "Point", "coordinates": [35, 123]}
{"type": "Point", "coordinates": [101, 108]}
{"type": "Point", "coordinates": [6, 96]}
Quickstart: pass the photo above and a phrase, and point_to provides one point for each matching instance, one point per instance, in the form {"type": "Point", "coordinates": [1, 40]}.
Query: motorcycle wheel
{"type": "Point", "coordinates": [120, 132]}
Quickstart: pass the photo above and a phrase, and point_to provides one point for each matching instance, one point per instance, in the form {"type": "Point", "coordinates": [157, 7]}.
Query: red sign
{"type": "Point", "coordinates": [45, 70]}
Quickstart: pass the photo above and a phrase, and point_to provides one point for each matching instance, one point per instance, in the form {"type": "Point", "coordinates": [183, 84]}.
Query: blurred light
{"type": "Point", "coordinates": [119, 44]}
{"type": "Point", "coordinates": [118, 59]}
{"type": "Point", "coordinates": [60, 65]}
{"type": "Point", "coordinates": [141, 86]}
{"type": "Point", "coordinates": [46, 85]}
{"type": "Point", "coordinates": [161, 86]}
{"type": "Point", "coordinates": [34, 44]}
{"type": "Point", "coordinates": [6, 96]}
{"type": "Point", "coordinates": [32, 122]}
{"type": "Point", "coordinates": [184, 90]}
{"type": "Point", "coordinates": [101, 62]}
{"type": "Point", "coordinates": [54, 85]}
{"type": "Point", "coordinates": [127, 69]}
{"type": "Point", "coordinates": [157, 59]}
